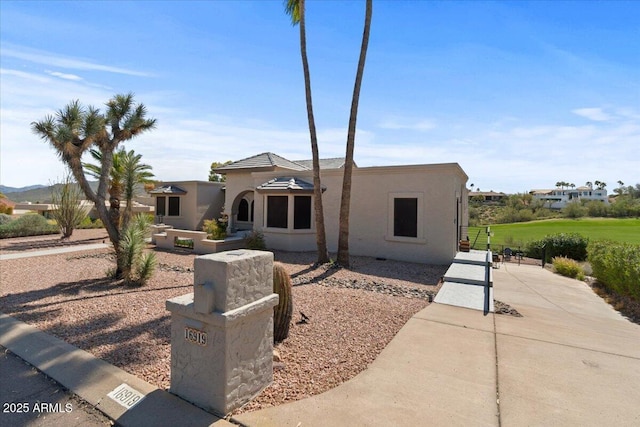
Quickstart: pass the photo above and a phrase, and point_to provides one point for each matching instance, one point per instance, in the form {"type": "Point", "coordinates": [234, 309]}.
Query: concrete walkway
{"type": "Point", "coordinates": [570, 360]}
{"type": "Point", "coordinates": [54, 251]}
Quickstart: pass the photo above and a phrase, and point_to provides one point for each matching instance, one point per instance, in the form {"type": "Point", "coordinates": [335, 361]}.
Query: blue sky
{"type": "Point", "coordinates": [520, 94]}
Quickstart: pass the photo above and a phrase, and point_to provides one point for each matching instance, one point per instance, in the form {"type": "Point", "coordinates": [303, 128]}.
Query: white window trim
{"type": "Point", "coordinates": [290, 218]}
{"type": "Point", "coordinates": [421, 239]}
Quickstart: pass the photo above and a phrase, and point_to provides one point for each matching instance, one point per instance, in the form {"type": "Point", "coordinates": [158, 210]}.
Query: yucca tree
{"type": "Point", "coordinates": [115, 183]}
{"type": "Point", "coordinates": [76, 129]}
{"type": "Point", "coordinates": [296, 10]}
{"type": "Point", "coordinates": [345, 201]}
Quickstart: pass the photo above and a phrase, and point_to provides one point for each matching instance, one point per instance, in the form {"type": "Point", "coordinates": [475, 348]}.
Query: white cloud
{"type": "Point", "coordinates": [64, 76]}
{"type": "Point", "coordinates": [595, 114]}
{"type": "Point", "coordinates": [54, 60]}
{"type": "Point", "coordinates": [402, 123]}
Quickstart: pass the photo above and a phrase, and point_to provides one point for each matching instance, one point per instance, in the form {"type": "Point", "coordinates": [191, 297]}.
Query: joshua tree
{"type": "Point", "coordinates": [76, 129]}
{"type": "Point", "coordinates": [296, 9]}
{"type": "Point", "coordinates": [345, 202]}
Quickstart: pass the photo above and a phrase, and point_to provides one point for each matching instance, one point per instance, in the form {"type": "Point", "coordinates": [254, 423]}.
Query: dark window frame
{"type": "Point", "coordinates": [277, 212]}
{"type": "Point", "coordinates": [173, 208]}
{"type": "Point", "coordinates": [405, 217]}
{"type": "Point", "coordinates": [161, 206]}
{"type": "Point", "coordinates": [302, 212]}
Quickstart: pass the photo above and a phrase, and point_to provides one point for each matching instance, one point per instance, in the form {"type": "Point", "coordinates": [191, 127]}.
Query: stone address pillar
{"type": "Point", "coordinates": [222, 333]}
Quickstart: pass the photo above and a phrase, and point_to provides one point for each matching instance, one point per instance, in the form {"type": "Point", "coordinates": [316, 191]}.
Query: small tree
{"type": "Point", "coordinates": [213, 175]}
{"type": "Point", "coordinates": [68, 211]}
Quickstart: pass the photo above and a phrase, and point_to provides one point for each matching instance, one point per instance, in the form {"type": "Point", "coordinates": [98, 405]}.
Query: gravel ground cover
{"type": "Point", "coordinates": [353, 314]}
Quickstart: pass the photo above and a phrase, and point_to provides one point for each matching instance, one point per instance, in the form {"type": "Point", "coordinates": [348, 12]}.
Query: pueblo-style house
{"type": "Point", "coordinates": [415, 213]}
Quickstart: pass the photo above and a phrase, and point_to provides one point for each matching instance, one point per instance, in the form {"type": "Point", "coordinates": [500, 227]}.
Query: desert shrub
{"type": "Point", "coordinates": [596, 208]}
{"type": "Point", "coordinates": [617, 266]}
{"type": "Point", "coordinates": [510, 215]}
{"type": "Point", "coordinates": [68, 212]}
{"type": "Point", "coordinates": [5, 219]}
{"type": "Point", "coordinates": [568, 267]}
{"type": "Point", "coordinates": [215, 230]}
{"type": "Point", "coordinates": [27, 225]}
{"type": "Point", "coordinates": [87, 222]}
{"type": "Point", "coordinates": [570, 245]}
{"type": "Point", "coordinates": [574, 210]}
{"type": "Point", "coordinates": [625, 207]}
{"type": "Point", "coordinates": [6, 209]}
{"type": "Point", "coordinates": [137, 266]}
{"type": "Point", "coordinates": [255, 240]}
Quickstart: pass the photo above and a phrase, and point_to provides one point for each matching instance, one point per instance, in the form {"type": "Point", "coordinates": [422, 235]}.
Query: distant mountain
{"type": "Point", "coordinates": [37, 193]}
{"type": "Point", "coordinates": [6, 190]}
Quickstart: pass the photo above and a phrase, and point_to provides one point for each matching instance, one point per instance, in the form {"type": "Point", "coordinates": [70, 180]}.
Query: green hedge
{"type": "Point", "coordinates": [616, 266]}
{"type": "Point", "coordinates": [27, 225]}
{"type": "Point", "coordinates": [570, 245]}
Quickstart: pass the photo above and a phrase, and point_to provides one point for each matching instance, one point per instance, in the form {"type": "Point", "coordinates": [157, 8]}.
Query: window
{"type": "Point", "coordinates": [243, 210]}
{"type": "Point", "coordinates": [160, 205]}
{"type": "Point", "coordinates": [302, 212]}
{"type": "Point", "coordinates": [252, 210]}
{"type": "Point", "coordinates": [174, 206]}
{"type": "Point", "coordinates": [405, 217]}
{"type": "Point", "coordinates": [277, 211]}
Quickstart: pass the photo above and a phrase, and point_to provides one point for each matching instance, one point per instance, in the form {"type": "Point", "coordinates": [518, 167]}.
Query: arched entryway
{"type": "Point", "coordinates": [242, 211]}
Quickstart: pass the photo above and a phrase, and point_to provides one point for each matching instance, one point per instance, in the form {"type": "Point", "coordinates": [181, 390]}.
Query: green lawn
{"type": "Point", "coordinates": [518, 234]}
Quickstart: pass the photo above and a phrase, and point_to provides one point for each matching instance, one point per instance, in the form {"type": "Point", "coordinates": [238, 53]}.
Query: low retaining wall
{"type": "Point", "coordinates": [201, 245]}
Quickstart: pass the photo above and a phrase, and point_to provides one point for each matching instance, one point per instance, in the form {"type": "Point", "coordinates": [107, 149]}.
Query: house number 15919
{"type": "Point", "coordinates": [195, 336]}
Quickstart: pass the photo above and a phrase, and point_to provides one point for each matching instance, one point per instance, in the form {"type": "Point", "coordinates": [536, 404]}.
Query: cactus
{"type": "Point", "coordinates": [284, 310]}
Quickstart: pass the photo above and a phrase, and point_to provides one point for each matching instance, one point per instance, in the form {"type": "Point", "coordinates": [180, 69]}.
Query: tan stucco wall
{"type": "Point", "coordinates": [204, 200]}
{"type": "Point", "coordinates": [438, 188]}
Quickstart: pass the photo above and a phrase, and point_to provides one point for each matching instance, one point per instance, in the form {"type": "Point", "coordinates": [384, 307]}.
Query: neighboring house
{"type": "Point", "coordinates": [487, 197]}
{"type": "Point", "coordinates": [412, 213]}
{"type": "Point", "coordinates": [186, 204]}
{"type": "Point", "coordinates": [560, 197]}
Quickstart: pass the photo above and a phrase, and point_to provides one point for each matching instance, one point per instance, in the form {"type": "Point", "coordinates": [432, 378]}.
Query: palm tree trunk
{"type": "Point", "coordinates": [345, 202]}
{"type": "Point", "coordinates": [321, 238]}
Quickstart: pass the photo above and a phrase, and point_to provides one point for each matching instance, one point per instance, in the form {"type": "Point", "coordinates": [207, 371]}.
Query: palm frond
{"type": "Point", "coordinates": [293, 9]}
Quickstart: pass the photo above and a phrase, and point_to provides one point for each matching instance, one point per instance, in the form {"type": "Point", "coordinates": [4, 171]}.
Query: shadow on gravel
{"type": "Point", "coordinates": [25, 302]}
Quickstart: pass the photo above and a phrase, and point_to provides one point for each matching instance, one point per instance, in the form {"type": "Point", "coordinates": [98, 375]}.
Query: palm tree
{"type": "Point", "coordinates": [296, 9]}
{"type": "Point", "coordinates": [76, 129]}
{"type": "Point", "coordinates": [343, 237]}
{"type": "Point", "coordinates": [115, 183]}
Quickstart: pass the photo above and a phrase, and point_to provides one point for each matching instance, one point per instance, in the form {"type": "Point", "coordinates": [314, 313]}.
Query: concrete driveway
{"type": "Point", "coordinates": [571, 360]}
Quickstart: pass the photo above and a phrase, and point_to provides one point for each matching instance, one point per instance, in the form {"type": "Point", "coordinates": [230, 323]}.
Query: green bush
{"type": "Point", "coordinates": [27, 225]}
{"type": "Point", "coordinates": [6, 209]}
{"type": "Point", "coordinates": [215, 231]}
{"type": "Point", "coordinates": [574, 210]}
{"type": "Point", "coordinates": [5, 219]}
{"type": "Point", "coordinates": [87, 222]}
{"type": "Point", "coordinates": [596, 208]}
{"type": "Point", "coordinates": [568, 267]}
{"type": "Point", "coordinates": [255, 240]}
{"type": "Point", "coordinates": [570, 245]}
{"type": "Point", "coordinates": [616, 266]}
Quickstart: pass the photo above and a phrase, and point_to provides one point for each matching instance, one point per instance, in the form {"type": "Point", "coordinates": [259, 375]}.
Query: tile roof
{"type": "Point", "coordinates": [332, 163]}
{"type": "Point", "coordinates": [286, 183]}
{"type": "Point", "coordinates": [168, 189]}
{"type": "Point", "coordinates": [263, 160]}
